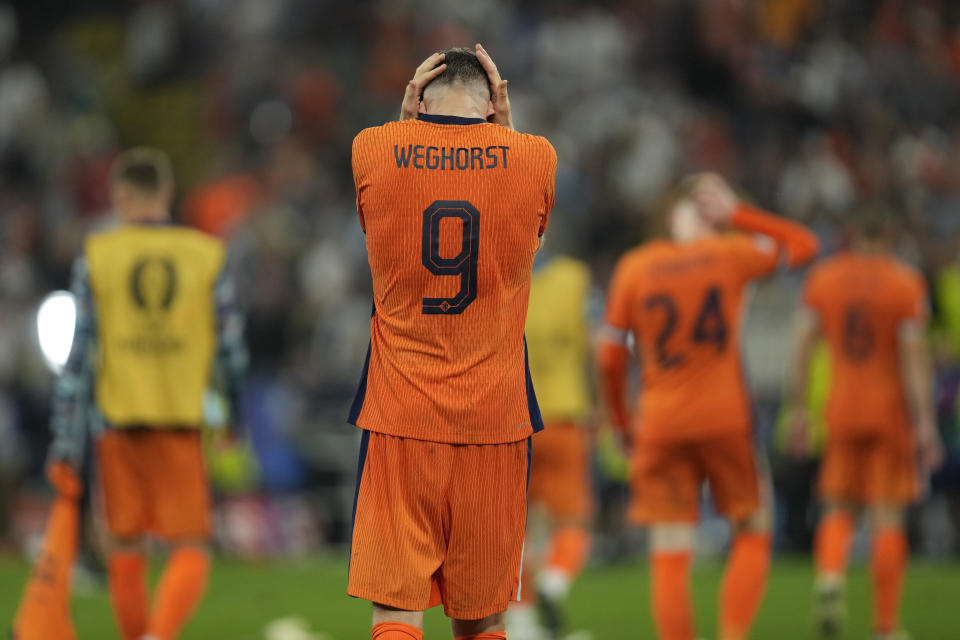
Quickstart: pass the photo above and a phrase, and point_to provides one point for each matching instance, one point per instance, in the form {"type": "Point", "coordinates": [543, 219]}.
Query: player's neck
{"type": "Point", "coordinates": [457, 104]}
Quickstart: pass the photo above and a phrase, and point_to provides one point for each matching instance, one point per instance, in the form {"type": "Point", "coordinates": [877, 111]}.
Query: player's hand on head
{"type": "Point", "coordinates": [716, 200]}
{"type": "Point", "coordinates": [498, 90]}
{"type": "Point", "coordinates": [425, 73]}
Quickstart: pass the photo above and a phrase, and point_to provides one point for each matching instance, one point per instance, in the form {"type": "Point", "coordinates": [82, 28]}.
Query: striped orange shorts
{"type": "Point", "coordinates": [439, 523]}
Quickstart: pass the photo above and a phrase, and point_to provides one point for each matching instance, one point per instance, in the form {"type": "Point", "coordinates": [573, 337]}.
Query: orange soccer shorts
{"type": "Point", "coordinates": [154, 480]}
{"type": "Point", "coordinates": [667, 477]}
{"type": "Point", "coordinates": [439, 523]}
{"type": "Point", "coordinates": [869, 469]}
{"type": "Point", "coordinates": [560, 472]}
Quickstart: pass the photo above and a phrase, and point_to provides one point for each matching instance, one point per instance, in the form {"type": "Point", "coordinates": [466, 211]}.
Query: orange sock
{"type": "Point", "coordinates": [128, 592]}
{"type": "Point", "coordinates": [395, 631]}
{"type": "Point", "coordinates": [179, 592]}
{"type": "Point", "coordinates": [888, 563]}
{"type": "Point", "coordinates": [672, 606]}
{"type": "Point", "coordinates": [832, 546]}
{"type": "Point", "coordinates": [744, 583]}
{"type": "Point", "coordinates": [490, 635]}
{"type": "Point", "coordinates": [569, 548]}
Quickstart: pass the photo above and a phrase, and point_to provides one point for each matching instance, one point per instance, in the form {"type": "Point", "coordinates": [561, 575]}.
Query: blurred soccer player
{"type": "Point", "coordinates": [453, 202]}
{"type": "Point", "coordinates": [881, 431]}
{"type": "Point", "coordinates": [154, 310]}
{"type": "Point", "coordinates": [558, 338]}
{"type": "Point", "coordinates": [682, 300]}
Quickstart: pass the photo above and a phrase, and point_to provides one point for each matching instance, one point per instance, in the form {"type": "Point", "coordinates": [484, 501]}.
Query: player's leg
{"type": "Point", "coordinates": [567, 554]}
{"type": "Point", "coordinates": [180, 515]}
{"type": "Point", "coordinates": [390, 623]}
{"type": "Point", "coordinates": [398, 531]}
{"type": "Point", "coordinates": [480, 575]}
{"type": "Point", "coordinates": [671, 558]}
{"type": "Point", "coordinates": [833, 540]}
{"type": "Point", "coordinates": [127, 580]}
{"type": "Point", "coordinates": [665, 494]}
{"type": "Point", "coordinates": [892, 485]}
{"type": "Point", "coordinates": [745, 577]}
{"type": "Point", "coordinates": [740, 481]}
{"type": "Point", "coordinates": [841, 488]}
{"type": "Point", "coordinates": [522, 619]}
{"type": "Point", "coordinates": [832, 545]}
{"type": "Point", "coordinates": [489, 628]}
{"type": "Point", "coordinates": [180, 589]}
{"type": "Point", "coordinates": [560, 479]}
{"type": "Point", "coordinates": [124, 499]}
{"type": "Point", "coordinates": [888, 565]}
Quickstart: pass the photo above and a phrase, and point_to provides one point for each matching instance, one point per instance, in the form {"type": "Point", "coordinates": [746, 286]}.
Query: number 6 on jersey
{"type": "Point", "coordinates": [464, 264]}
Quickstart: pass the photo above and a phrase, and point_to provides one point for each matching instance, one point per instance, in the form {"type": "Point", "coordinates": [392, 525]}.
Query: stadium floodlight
{"type": "Point", "coordinates": [56, 318]}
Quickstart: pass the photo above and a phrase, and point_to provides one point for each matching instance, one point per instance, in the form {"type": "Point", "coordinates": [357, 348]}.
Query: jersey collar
{"type": "Point", "coordinates": [438, 119]}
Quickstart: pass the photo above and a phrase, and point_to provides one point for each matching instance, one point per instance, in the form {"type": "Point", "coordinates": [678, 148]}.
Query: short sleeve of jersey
{"type": "Point", "coordinates": [360, 160]}
{"type": "Point", "coordinates": [756, 256]}
{"type": "Point", "coordinates": [618, 298]}
{"type": "Point", "coordinates": [547, 168]}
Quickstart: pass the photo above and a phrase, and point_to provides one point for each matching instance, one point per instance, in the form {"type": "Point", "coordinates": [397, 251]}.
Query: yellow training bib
{"type": "Point", "coordinates": [156, 322]}
{"type": "Point", "coordinates": [558, 339]}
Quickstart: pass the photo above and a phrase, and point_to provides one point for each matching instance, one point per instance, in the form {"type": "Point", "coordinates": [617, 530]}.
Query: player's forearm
{"type": "Point", "coordinates": [918, 370]}
{"type": "Point", "coordinates": [73, 390]}
{"type": "Point", "coordinates": [232, 357]}
{"type": "Point", "coordinates": [612, 366]}
{"type": "Point", "coordinates": [71, 405]}
{"type": "Point", "coordinates": [798, 243]}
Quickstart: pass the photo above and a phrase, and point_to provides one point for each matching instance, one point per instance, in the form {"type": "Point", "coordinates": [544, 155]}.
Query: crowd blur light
{"type": "Point", "coordinates": [56, 318]}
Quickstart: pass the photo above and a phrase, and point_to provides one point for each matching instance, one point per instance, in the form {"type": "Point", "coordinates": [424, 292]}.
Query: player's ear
{"type": "Point", "coordinates": [490, 110]}
{"type": "Point", "coordinates": [422, 108]}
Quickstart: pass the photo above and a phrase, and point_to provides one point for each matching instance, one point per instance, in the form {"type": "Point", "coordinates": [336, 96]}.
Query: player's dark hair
{"type": "Point", "coordinates": [463, 67]}
{"type": "Point", "coordinates": [147, 170]}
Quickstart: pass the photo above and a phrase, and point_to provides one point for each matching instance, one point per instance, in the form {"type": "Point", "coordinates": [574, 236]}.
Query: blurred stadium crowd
{"type": "Point", "coordinates": [814, 108]}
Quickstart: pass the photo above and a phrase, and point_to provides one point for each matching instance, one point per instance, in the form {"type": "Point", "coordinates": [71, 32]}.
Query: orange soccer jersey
{"type": "Point", "coordinates": [862, 301]}
{"type": "Point", "coordinates": [683, 304]}
{"type": "Point", "coordinates": [453, 209]}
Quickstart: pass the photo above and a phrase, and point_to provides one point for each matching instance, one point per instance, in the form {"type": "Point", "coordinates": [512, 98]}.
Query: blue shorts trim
{"type": "Point", "coordinates": [533, 407]}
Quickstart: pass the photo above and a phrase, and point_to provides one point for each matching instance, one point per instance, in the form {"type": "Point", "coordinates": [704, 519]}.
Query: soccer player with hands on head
{"type": "Point", "coordinates": [453, 203]}
{"type": "Point", "coordinates": [872, 310]}
{"type": "Point", "coordinates": [682, 300]}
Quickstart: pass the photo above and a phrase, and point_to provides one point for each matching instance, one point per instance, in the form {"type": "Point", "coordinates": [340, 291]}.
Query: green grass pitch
{"type": "Point", "coordinates": [612, 602]}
